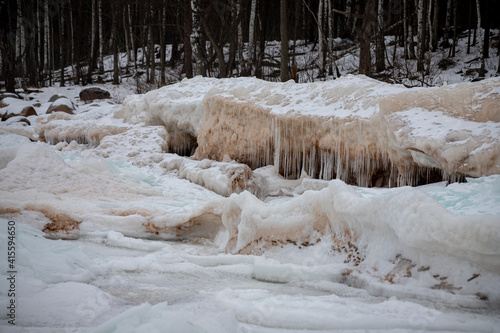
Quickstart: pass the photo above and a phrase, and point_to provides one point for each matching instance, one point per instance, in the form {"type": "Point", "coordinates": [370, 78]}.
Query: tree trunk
{"type": "Point", "coordinates": [20, 40]}
{"type": "Point", "coordinates": [251, 45]}
{"type": "Point", "coordinates": [486, 23]}
{"type": "Point", "coordinates": [421, 36]}
{"type": "Point", "coordinates": [127, 37]}
{"type": "Point", "coordinates": [241, 61]}
{"type": "Point", "coordinates": [151, 47]}
{"type": "Point", "coordinates": [321, 40]}
{"type": "Point", "coordinates": [482, 70]}
{"type": "Point", "coordinates": [469, 26]}
{"type": "Point", "coordinates": [101, 39]}
{"type": "Point", "coordinates": [284, 72]}
{"type": "Point", "coordinates": [435, 25]}
{"type": "Point", "coordinates": [380, 46]}
{"type": "Point", "coordinates": [188, 51]}
{"type": "Point", "coordinates": [46, 35]}
{"type": "Point", "coordinates": [132, 37]}
{"type": "Point", "coordinates": [349, 21]}
{"type": "Point", "coordinates": [196, 40]}
{"type": "Point", "coordinates": [61, 44]}
{"type": "Point", "coordinates": [163, 23]}
{"type": "Point", "coordinates": [405, 29]}
{"type": "Point", "coordinates": [365, 60]}
{"type": "Point", "coordinates": [76, 78]}
{"type": "Point", "coordinates": [114, 37]}
{"type": "Point", "coordinates": [454, 45]}
{"type": "Point", "coordinates": [233, 42]}
{"type": "Point", "coordinates": [449, 16]}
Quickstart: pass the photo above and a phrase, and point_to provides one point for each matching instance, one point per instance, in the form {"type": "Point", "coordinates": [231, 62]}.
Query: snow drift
{"type": "Point", "coordinates": [354, 128]}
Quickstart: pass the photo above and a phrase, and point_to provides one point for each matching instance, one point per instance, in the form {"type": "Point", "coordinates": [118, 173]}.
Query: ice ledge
{"type": "Point", "coordinates": [357, 129]}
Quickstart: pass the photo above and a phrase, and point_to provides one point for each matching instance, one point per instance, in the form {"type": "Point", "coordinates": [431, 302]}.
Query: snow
{"type": "Point", "coordinates": [115, 233]}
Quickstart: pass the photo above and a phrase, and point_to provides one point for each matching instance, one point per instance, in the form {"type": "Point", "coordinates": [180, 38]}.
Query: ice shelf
{"type": "Point", "coordinates": [356, 129]}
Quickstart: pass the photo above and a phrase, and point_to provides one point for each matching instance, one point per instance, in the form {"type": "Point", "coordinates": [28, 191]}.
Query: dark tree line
{"type": "Point", "coordinates": [40, 37]}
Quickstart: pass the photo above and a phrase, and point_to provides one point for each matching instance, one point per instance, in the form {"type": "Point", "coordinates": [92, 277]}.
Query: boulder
{"type": "Point", "coordinates": [91, 94]}
{"type": "Point", "coordinates": [9, 95]}
{"type": "Point", "coordinates": [28, 111]}
{"type": "Point", "coordinates": [18, 120]}
{"type": "Point", "coordinates": [55, 98]}
{"type": "Point", "coordinates": [62, 104]}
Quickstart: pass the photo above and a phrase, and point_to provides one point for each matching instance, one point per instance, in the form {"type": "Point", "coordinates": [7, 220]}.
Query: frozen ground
{"type": "Point", "coordinates": [132, 246]}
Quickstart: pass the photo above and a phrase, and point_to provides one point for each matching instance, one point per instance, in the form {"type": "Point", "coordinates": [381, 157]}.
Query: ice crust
{"type": "Point", "coordinates": [354, 128]}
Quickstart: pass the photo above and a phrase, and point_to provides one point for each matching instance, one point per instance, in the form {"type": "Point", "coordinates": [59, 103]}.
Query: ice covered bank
{"type": "Point", "coordinates": [356, 129]}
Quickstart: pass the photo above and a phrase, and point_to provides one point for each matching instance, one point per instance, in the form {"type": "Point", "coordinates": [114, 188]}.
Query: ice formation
{"type": "Point", "coordinates": [354, 128]}
{"type": "Point", "coordinates": [86, 127]}
{"type": "Point", "coordinates": [223, 178]}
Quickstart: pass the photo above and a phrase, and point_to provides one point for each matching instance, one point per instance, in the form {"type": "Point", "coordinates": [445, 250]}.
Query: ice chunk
{"type": "Point", "coordinates": [223, 178]}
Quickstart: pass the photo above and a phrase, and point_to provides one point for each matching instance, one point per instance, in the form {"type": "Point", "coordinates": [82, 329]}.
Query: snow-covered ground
{"type": "Point", "coordinates": [113, 234]}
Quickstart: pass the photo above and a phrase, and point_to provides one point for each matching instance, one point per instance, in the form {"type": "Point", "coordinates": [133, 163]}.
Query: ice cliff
{"type": "Point", "coordinates": [356, 129]}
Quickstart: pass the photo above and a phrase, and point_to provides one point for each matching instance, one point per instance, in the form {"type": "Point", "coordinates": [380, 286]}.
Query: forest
{"type": "Point", "coordinates": [66, 41]}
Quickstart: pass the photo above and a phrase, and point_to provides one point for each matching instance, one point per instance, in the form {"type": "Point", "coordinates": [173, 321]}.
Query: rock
{"type": "Point", "coordinates": [62, 104]}
{"type": "Point", "coordinates": [18, 120]}
{"type": "Point", "coordinates": [55, 98]}
{"type": "Point", "coordinates": [28, 111]}
{"type": "Point", "coordinates": [10, 95]}
{"type": "Point", "coordinates": [90, 94]}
